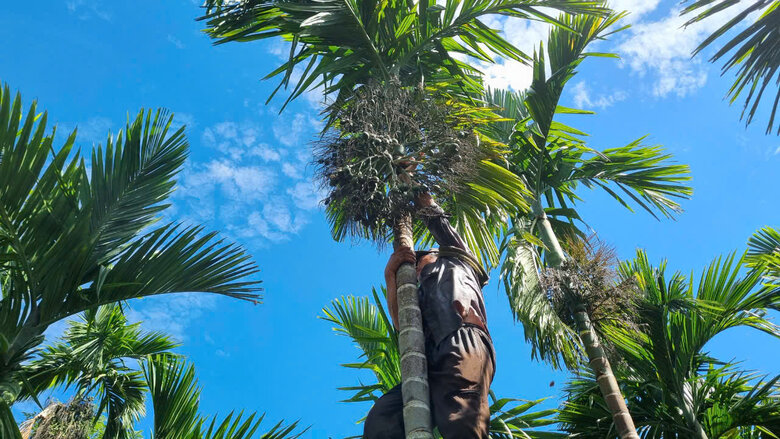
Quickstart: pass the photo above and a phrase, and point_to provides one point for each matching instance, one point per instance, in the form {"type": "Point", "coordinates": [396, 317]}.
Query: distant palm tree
{"type": "Point", "coordinates": [365, 322]}
{"type": "Point", "coordinates": [74, 237]}
{"type": "Point", "coordinates": [674, 386]}
{"type": "Point", "coordinates": [93, 356]}
{"type": "Point", "coordinates": [753, 51]}
{"type": "Point", "coordinates": [553, 161]}
{"type": "Point", "coordinates": [96, 356]}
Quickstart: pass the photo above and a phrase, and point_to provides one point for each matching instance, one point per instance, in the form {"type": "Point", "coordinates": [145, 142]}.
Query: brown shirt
{"type": "Point", "coordinates": [450, 288]}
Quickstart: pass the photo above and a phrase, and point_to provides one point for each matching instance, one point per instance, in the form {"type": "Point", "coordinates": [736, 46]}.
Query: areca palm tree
{"type": "Point", "coordinates": [74, 237]}
{"type": "Point", "coordinates": [93, 356]}
{"type": "Point", "coordinates": [752, 52]}
{"type": "Point", "coordinates": [554, 162]}
{"type": "Point", "coordinates": [365, 322]}
{"type": "Point", "coordinates": [353, 48]}
{"type": "Point", "coordinates": [674, 386]}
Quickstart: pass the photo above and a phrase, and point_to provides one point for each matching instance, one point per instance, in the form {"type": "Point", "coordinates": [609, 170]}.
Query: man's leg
{"type": "Point", "coordinates": [386, 418]}
{"type": "Point", "coordinates": [461, 370]}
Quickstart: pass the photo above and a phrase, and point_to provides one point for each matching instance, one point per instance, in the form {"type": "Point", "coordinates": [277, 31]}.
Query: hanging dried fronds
{"type": "Point", "coordinates": [61, 421]}
{"type": "Point", "coordinates": [389, 143]}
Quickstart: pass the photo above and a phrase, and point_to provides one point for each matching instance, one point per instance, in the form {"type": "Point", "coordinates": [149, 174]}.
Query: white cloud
{"type": "Point", "coordinates": [637, 8]}
{"type": "Point", "coordinates": [292, 171]}
{"type": "Point", "coordinates": [175, 41]}
{"type": "Point", "coordinates": [583, 99]}
{"type": "Point", "coordinates": [256, 192]}
{"type": "Point", "coordinates": [170, 313]}
{"type": "Point", "coordinates": [234, 139]}
{"type": "Point", "coordinates": [662, 50]}
{"type": "Point", "coordinates": [85, 9]}
{"type": "Point", "coordinates": [290, 132]}
{"type": "Point", "coordinates": [526, 36]}
{"type": "Point", "coordinates": [92, 132]}
{"type": "Point", "coordinates": [305, 195]}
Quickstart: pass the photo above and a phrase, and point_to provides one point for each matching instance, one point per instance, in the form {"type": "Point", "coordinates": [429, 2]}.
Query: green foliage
{"type": "Point", "coordinates": [672, 384]}
{"type": "Point", "coordinates": [394, 142]}
{"type": "Point", "coordinates": [93, 356]}
{"type": "Point", "coordinates": [553, 160]}
{"type": "Point", "coordinates": [764, 255]}
{"type": "Point", "coordinates": [73, 238]}
{"type": "Point", "coordinates": [175, 399]}
{"type": "Point", "coordinates": [340, 45]}
{"type": "Point", "coordinates": [366, 323]}
{"type": "Point", "coordinates": [753, 51]}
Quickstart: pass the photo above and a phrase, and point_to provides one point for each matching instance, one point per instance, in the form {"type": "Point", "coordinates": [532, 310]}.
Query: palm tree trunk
{"type": "Point", "coordinates": [411, 342]}
{"type": "Point", "coordinates": [596, 358]}
{"type": "Point", "coordinates": [608, 385]}
{"type": "Point", "coordinates": [689, 413]}
{"type": "Point", "coordinates": [555, 255]}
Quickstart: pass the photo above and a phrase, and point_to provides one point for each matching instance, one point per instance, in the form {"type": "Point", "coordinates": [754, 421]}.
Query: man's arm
{"type": "Point", "coordinates": [437, 223]}
{"type": "Point", "coordinates": [401, 256]}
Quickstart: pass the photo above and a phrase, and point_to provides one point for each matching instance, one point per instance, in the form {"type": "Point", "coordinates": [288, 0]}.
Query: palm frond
{"type": "Point", "coordinates": [673, 386]}
{"type": "Point", "coordinates": [551, 339]}
{"type": "Point", "coordinates": [752, 52]}
{"type": "Point", "coordinates": [764, 254]}
{"type": "Point", "coordinates": [341, 44]}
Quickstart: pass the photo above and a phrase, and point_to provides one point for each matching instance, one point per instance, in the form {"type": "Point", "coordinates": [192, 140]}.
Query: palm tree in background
{"type": "Point", "coordinates": [752, 52]}
{"type": "Point", "coordinates": [368, 326]}
{"type": "Point", "coordinates": [552, 159]}
{"type": "Point", "coordinates": [74, 237]}
{"type": "Point", "coordinates": [399, 53]}
{"type": "Point", "coordinates": [100, 356]}
{"type": "Point", "coordinates": [93, 357]}
{"type": "Point", "coordinates": [674, 386]}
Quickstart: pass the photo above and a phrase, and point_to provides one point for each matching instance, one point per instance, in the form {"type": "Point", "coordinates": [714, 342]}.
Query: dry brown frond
{"type": "Point", "coordinates": [62, 421]}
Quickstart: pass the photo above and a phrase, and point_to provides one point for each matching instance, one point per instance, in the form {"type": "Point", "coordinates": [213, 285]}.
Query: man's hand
{"type": "Point", "coordinates": [400, 256]}
{"type": "Point", "coordinates": [423, 200]}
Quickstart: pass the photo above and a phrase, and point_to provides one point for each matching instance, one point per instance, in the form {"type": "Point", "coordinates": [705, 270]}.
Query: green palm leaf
{"type": "Point", "coordinates": [71, 241]}
{"type": "Point", "coordinates": [751, 52]}
{"type": "Point", "coordinates": [364, 321]}
{"type": "Point", "coordinates": [672, 384]}
{"type": "Point", "coordinates": [341, 44]}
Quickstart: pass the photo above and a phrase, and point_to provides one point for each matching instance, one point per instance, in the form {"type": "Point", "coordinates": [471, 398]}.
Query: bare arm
{"type": "Point", "coordinates": [401, 256]}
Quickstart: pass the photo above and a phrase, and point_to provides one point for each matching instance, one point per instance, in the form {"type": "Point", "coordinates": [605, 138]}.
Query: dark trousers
{"type": "Point", "coordinates": [460, 370]}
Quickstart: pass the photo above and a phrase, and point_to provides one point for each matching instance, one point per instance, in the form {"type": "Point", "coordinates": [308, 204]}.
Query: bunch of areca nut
{"type": "Point", "coordinates": [387, 143]}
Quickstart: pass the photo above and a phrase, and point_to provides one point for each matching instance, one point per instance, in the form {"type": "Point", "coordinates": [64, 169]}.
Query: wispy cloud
{"type": "Point", "coordinates": [636, 8]}
{"type": "Point", "coordinates": [254, 188]}
{"type": "Point", "coordinates": [583, 98]}
{"type": "Point", "coordinates": [85, 9]}
{"type": "Point", "coordinates": [171, 313]}
{"type": "Point", "coordinates": [661, 51]}
{"type": "Point", "coordinates": [91, 132]}
{"type": "Point", "coordinates": [175, 41]}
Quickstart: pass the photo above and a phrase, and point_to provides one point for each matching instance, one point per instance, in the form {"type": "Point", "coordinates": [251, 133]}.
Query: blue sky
{"type": "Point", "coordinates": [90, 62]}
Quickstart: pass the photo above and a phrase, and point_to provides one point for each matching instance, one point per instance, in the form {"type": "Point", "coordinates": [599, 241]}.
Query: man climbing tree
{"type": "Point", "coordinates": [461, 360]}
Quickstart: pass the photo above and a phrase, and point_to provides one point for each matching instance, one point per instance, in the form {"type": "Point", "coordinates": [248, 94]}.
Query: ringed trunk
{"type": "Point", "coordinates": [411, 342]}
{"type": "Point", "coordinates": [608, 385]}
{"type": "Point", "coordinates": [596, 357]}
